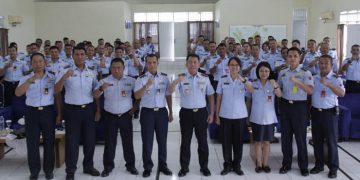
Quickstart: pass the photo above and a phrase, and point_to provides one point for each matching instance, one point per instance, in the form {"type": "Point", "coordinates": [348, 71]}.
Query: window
{"type": "Point", "coordinates": [350, 17]}
{"type": "Point", "coordinates": [173, 16]}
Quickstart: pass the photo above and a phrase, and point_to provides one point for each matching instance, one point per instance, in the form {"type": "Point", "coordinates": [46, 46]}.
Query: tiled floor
{"type": "Point", "coordinates": [14, 167]}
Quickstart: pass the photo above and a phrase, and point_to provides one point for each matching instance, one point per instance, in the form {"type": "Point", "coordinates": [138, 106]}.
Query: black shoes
{"type": "Point", "coordinates": [284, 169]}
{"type": "Point", "coordinates": [304, 172]}
{"type": "Point", "coordinates": [70, 177]}
{"type": "Point", "coordinates": [225, 171]}
{"type": "Point", "coordinates": [92, 171]}
{"type": "Point", "coordinates": [183, 172]}
{"type": "Point", "coordinates": [316, 170]}
{"type": "Point", "coordinates": [238, 171]}
{"type": "Point", "coordinates": [266, 169]}
{"type": "Point", "coordinates": [49, 176]}
{"type": "Point", "coordinates": [205, 172]}
{"type": "Point", "coordinates": [146, 173]}
{"type": "Point", "coordinates": [33, 177]}
{"type": "Point", "coordinates": [258, 169]}
{"type": "Point", "coordinates": [105, 173]}
{"type": "Point", "coordinates": [132, 170]}
{"type": "Point", "coordinates": [332, 174]}
{"type": "Point", "coordinates": [166, 171]}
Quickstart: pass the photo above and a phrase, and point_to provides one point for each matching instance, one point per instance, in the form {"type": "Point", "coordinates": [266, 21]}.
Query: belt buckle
{"type": "Point", "coordinates": [358, 82]}
{"type": "Point", "coordinates": [291, 102]}
{"type": "Point", "coordinates": [195, 110]}
{"type": "Point", "coordinates": [40, 108]}
{"type": "Point", "coordinates": [83, 106]}
{"type": "Point", "coordinates": [156, 109]}
{"type": "Point", "coordinates": [319, 109]}
{"type": "Point", "coordinates": [119, 115]}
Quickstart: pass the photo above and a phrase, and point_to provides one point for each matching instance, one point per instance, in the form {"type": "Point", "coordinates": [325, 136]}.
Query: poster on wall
{"type": "Point", "coordinates": [244, 31]}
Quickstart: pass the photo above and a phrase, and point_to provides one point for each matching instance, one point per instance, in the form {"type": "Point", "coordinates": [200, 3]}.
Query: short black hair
{"type": "Point", "coordinates": [117, 60]}
{"type": "Point", "coordinates": [312, 40]}
{"type": "Point", "coordinates": [78, 48]}
{"type": "Point", "coordinates": [54, 47]}
{"type": "Point", "coordinates": [326, 56]}
{"type": "Point", "coordinates": [152, 55]}
{"type": "Point", "coordinates": [236, 59]}
{"type": "Point", "coordinates": [295, 49]}
{"type": "Point", "coordinates": [247, 44]}
{"type": "Point", "coordinates": [295, 41]}
{"type": "Point", "coordinates": [36, 54]}
{"type": "Point", "coordinates": [12, 46]}
{"type": "Point", "coordinates": [192, 55]}
{"type": "Point", "coordinates": [355, 46]}
{"type": "Point", "coordinates": [67, 45]}
{"type": "Point", "coordinates": [267, 65]}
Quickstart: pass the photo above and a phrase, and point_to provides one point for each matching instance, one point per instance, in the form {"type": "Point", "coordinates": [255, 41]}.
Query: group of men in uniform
{"type": "Point", "coordinates": [122, 80]}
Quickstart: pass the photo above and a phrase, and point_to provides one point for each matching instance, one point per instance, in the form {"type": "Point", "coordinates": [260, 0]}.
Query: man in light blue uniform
{"type": "Point", "coordinates": [152, 89]}
{"type": "Point", "coordinates": [117, 114]}
{"type": "Point", "coordinates": [352, 68]}
{"type": "Point", "coordinates": [79, 113]}
{"type": "Point", "coordinates": [249, 68]}
{"type": "Point", "coordinates": [325, 113]}
{"type": "Point", "coordinates": [39, 116]}
{"type": "Point", "coordinates": [273, 55]}
{"type": "Point", "coordinates": [68, 55]}
{"type": "Point", "coordinates": [310, 59]}
{"type": "Point", "coordinates": [246, 57]}
{"type": "Point", "coordinates": [91, 61]}
{"type": "Point", "coordinates": [13, 70]}
{"type": "Point", "coordinates": [193, 88]}
{"type": "Point", "coordinates": [296, 83]}
{"type": "Point", "coordinates": [220, 66]}
{"type": "Point", "coordinates": [56, 64]}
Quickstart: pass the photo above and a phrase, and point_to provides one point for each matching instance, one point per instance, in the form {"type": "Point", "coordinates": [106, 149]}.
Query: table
{"type": "Point", "coordinates": [59, 148]}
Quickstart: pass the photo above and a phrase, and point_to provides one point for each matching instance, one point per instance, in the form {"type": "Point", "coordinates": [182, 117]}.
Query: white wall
{"type": "Point", "coordinates": [172, 7]}
{"type": "Point", "coordinates": [82, 20]}
{"type": "Point", "coordinates": [24, 33]}
{"type": "Point", "coordinates": [259, 12]}
{"type": "Point", "coordinates": [319, 29]}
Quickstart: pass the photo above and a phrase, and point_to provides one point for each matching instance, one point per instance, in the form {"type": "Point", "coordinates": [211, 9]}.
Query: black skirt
{"type": "Point", "coordinates": [262, 132]}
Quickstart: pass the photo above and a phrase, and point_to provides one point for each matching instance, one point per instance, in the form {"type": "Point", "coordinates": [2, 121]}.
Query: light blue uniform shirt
{"type": "Point", "coordinates": [322, 96]}
{"type": "Point", "coordinates": [149, 48]}
{"type": "Point", "coordinates": [16, 71]}
{"type": "Point", "coordinates": [106, 69]}
{"type": "Point", "coordinates": [69, 60]}
{"type": "Point", "coordinates": [193, 91]}
{"type": "Point", "coordinates": [221, 69]}
{"type": "Point", "coordinates": [290, 91]}
{"type": "Point", "coordinates": [79, 86]}
{"type": "Point", "coordinates": [93, 64]}
{"type": "Point", "coordinates": [199, 50]}
{"type": "Point", "coordinates": [56, 67]}
{"type": "Point", "coordinates": [272, 57]}
{"type": "Point", "coordinates": [154, 96]}
{"type": "Point", "coordinates": [41, 91]}
{"type": "Point", "coordinates": [133, 70]}
{"type": "Point", "coordinates": [210, 62]}
{"type": "Point", "coordinates": [232, 98]}
{"type": "Point", "coordinates": [252, 74]}
{"type": "Point", "coordinates": [245, 59]}
{"type": "Point", "coordinates": [118, 96]}
{"type": "Point", "coordinates": [353, 70]}
{"type": "Point", "coordinates": [263, 107]}
{"type": "Point", "coordinates": [310, 57]}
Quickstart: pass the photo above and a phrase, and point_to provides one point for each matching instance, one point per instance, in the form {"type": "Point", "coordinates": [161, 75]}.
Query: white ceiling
{"type": "Point", "coordinates": [142, 1]}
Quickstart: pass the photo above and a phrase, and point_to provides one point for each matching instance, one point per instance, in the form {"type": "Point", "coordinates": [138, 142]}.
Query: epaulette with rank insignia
{"type": "Point", "coordinates": [224, 76]}
{"type": "Point", "coordinates": [144, 75]}
{"type": "Point", "coordinates": [304, 68]}
{"type": "Point", "coordinates": [163, 74]}
{"type": "Point", "coordinates": [27, 72]}
{"type": "Point", "coordinates": [53, 73]}
{"type": "Point", "coordinates": [205, 75]}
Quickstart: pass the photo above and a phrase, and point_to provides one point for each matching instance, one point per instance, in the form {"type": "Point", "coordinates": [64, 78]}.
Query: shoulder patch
{"type": "Point", "coordinates": [304, 68]}
{"type": "Point", "coordinates": [163, 74]}
{"type": "Point", "coordinates": [51, 72]}
{"type": "Point", "coordinates": [224, 76]}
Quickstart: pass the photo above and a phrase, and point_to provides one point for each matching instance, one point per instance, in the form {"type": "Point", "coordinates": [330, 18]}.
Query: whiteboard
{"type": "Point", "coordinates": [244, 31]}
{"type": "Point", "coordinates": [351, 37]}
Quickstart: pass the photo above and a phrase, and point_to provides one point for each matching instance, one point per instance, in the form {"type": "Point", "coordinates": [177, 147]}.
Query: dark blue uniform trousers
{"type": "Point", "coordinates": [151, 121]}
{"type": "Point", "coordinates": [294, 122]}
{"type": "Point", "coordinates": [36, 122]}
{"type": "Point", "coordinates": [324, 127]}
{"type": "Point", "coordinates": [112, 124]}
{"type": "Point", "coordinates": [80, 127]}
{"type": "Point", "coordinates": [189, 121]}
